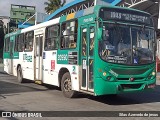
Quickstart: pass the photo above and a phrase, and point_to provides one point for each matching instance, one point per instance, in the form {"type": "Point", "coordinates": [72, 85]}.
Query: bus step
{"type": "Point", "coordinates": [38, 82]}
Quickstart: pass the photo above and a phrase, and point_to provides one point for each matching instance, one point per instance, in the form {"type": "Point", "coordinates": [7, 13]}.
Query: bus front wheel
{"type": "Point", "coordinates": [19, 75]}
{"type": "Point", "coordinates": [66, 86]}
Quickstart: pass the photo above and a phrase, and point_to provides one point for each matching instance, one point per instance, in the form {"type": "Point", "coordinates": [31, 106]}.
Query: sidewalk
{"type": "Point", "coordinates": [1, 64]}
{"type": "Point", "coordinates": [158, 75]}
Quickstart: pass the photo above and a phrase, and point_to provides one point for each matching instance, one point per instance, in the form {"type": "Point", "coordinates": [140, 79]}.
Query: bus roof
{"type": "Point", "coordinates": [41, 25]}
{"type": "Point", "coordinates": [13, 33]}
{"type": "Point", "coordinates": [63, 8]}
{"type": "Point", "coordinates": [69, 17]}
{"type": "Point", "coordinates": [77, 3]}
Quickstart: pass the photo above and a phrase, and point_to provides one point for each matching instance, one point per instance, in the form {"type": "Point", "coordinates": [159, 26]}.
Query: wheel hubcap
{"type": "Point", "coordinates": [67, 85]}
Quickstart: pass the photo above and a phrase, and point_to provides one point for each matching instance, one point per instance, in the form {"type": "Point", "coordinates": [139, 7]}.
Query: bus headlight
{"type": "Point", "coordinates": [153, 73]}
{"type": "Point", "coordinates": [104, 74]}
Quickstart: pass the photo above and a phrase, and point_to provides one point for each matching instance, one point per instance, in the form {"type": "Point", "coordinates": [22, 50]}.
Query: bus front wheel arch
{"type": "Point", "coordinates": [61, 73]}
{"type": "Point", "coordinates": [66, 86]}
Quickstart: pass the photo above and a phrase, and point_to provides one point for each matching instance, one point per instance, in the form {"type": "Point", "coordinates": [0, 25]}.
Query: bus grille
{"type": "Point", "coordinates": [130, 71]}
{"type": "Point", "coordinates": [127, 79]}
{"type": "Point", "coordinates": [131, 86]}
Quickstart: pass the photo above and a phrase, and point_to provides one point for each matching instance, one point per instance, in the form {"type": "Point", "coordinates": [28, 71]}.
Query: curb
{"type": "Point", "coordinates": [158, 77]}
{"type": "Point", "coordinates": [1, 65]}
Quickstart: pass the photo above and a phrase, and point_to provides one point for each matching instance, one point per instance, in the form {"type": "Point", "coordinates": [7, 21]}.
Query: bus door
{"type": "Point", "coordinates": [38, 57]}
{"type": "Point", "coordinates": [11, 47]}
{"type": "Point", "coordinates": [87, 56]}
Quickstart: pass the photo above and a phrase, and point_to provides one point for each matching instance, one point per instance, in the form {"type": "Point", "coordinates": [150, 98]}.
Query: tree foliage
{"type": "Point", "coordinates": [53, 5]}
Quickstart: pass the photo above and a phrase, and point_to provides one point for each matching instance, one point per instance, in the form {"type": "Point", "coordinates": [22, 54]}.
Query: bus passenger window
{"type": "Point", "coordinates": [19, 43]}
{"type": "Point", "coordinates": [28, 44]}
{"type": "Point", "coordinates": [84, 41]}
{"type": "Point", "coordinates": [52, 37]}
{"type": "Point", "coordinates": [92, 35]}
{"type": "Point", "coordinates": [69, 35]}
{"type": "Point", "coordinates": [72, 42]}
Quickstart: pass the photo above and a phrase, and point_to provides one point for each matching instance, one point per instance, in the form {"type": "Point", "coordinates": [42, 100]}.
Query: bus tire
{"type": "Point", "coordinates": [66, 86]}
{"type": "Point", "coordinates": [19, 75]}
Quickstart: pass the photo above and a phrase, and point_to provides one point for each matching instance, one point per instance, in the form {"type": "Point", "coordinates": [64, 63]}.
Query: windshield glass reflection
{"type": "Point", "coordinates": [116, 45]}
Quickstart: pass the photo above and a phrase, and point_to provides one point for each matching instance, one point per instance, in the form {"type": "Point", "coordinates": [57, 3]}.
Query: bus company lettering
{"type": "Point", "coordinates": [88, 20]}
{"type": "Point", "coordinates": [113, 73]}
{"type": "Point", "coordinates": [28, 58]}
{"type": "Point", "coordinates": [63, 57]}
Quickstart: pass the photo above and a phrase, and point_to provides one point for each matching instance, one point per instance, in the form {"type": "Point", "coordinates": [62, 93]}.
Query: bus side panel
{"type": "Point", "coordinates": [64, 61]}
{"type": "Point", "coordinates": [75, 77]}
{"type": "Point", "coordinates": [74, 73]}
{"type": "Point", "coordinates": [50, 75]}
{"type": "Point", "coordinates": [27, 65]}
{"type": "Point", "coordinates": [6, 54]}
{"type": "Point", "coordinates": [15, 63]}
{"type": "Point", "coordinates": [6, 61]}
{"type": "Point", "coordinates": [18, 58]}
{"type": "Point", "coordinates": [51, 70]}
{"type": "Point", "coordinates": [15, 56]}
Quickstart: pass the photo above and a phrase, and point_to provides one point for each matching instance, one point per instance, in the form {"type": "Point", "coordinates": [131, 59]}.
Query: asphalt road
{"type": "Point", "coordinates": [32, 97]}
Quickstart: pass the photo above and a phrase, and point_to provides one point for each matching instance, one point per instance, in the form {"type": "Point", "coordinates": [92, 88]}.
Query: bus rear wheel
{"type": "Point", "coordinates": [66, 86]}
{"type": "Point", "coordinates": [19, 75]}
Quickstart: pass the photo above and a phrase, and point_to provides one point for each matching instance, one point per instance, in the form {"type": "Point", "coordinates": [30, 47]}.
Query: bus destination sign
{"type": "Point", "coordinates": [125, 16]}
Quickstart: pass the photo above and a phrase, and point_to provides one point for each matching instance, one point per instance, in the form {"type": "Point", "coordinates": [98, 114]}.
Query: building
{"type": "Point", "coordinates": [21, 13]}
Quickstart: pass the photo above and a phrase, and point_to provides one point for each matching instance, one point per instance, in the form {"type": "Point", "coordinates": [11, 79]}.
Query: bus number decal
{"type": "Point", "coordinates": [74, 70]}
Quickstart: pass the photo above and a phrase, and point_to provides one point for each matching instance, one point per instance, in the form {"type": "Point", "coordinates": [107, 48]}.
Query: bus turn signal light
{"type": "Point", "coordinates": [153, 73]}
{"type": "Point", "coordinates": [104, 73]}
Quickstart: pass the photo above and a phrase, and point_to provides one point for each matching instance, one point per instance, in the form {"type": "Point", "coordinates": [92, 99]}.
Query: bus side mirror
{"type": "Point", "coordinates": [99, 33]}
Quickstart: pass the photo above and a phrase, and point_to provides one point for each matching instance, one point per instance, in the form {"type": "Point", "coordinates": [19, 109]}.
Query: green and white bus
{"type": "Point", "coordinates": [100, 50]}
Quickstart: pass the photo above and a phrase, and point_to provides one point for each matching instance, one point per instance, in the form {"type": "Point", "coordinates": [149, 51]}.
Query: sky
{"type": "Point", "coordinates": [6, 4]}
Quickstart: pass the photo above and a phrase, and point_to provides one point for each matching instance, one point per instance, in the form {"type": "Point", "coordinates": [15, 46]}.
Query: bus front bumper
{"type": "Point", "coordinates": [105, 87]}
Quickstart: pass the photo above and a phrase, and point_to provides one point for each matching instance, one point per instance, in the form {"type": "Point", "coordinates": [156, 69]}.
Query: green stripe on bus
{"type": "Point", "coordinates": [7, 55]}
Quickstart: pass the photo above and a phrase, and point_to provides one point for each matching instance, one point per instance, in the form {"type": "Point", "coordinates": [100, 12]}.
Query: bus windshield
{"type": "Point", "coordinates": [125, 44]}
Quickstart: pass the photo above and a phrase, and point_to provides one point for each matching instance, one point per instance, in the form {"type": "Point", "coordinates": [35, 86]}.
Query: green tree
{"type": "Point", "coordinates": [53, 5]}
